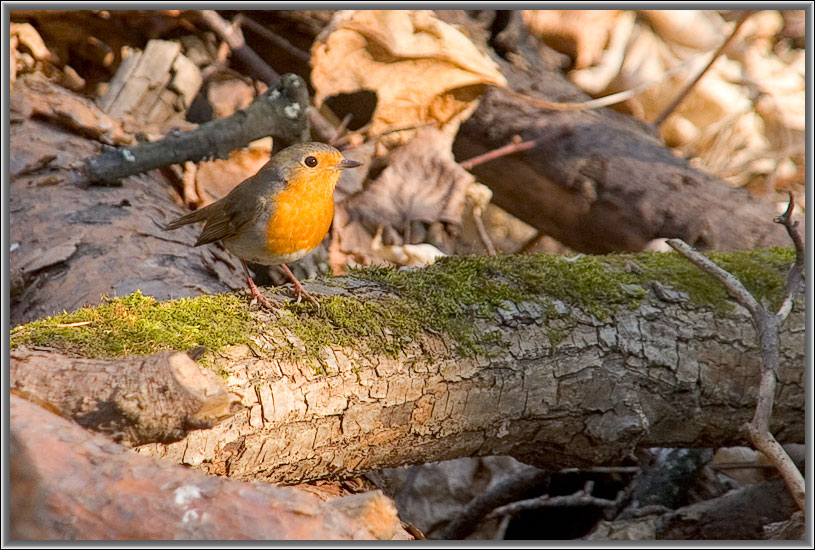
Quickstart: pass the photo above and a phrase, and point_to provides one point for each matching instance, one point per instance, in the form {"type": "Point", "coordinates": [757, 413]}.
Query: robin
{"type": "Point", "coordinates": [278, 215]}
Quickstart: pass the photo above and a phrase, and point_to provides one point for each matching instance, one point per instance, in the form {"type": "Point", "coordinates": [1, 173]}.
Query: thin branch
{"type": "Point", "coordinates": [608, 100]}
{"type": "Point", "coordinates": [729, 281]}
{"type": "Point", "coordinates": [675, 103]}
{"type": "Point", "coordinates": [515, 147]}
{"type": "Point", "coordinates": [500, 494]}
{"type": "Point", "coordinates": [482, 231]}
{"type": "Point", "coordinates": [767, 325]}
{"type": "Point", "coordinates": [243, 21]}
{"type": "Point", "coordinates": [269, 115]}
{"type": "Point", "coordinates": [340, 129]}
{"type": "Point", "coordinates": [796, 273]}
{"type": "Point", "coordinates": [582, 497]}
{"type": "Point", "coordinates": [232, 35]}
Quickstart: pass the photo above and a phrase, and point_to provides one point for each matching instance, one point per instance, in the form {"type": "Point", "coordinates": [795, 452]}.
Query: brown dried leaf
{"type": "Point", "coordinates": [422, 183]}
{"type": "Point", "coordinates": [423, 70]}
{"type": "Point", "coordinates": [229, 95]}
{"type": "Point", "coordinates": [582, 34]}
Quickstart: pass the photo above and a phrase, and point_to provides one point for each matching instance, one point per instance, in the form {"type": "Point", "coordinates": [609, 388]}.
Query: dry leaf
{"type": "Point", "coordinates": [423, 70]}
{"type": "Point", "coordinates": [582, 34]}
{"type": "Point", "coordinates": [723, 124]}
{"type": "Point", "coordinates": [422, 183]}
{"type": "Point", "coordinates": [29, 38]}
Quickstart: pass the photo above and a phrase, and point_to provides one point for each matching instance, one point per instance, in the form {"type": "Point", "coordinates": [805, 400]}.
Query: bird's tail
{"type": "Point", "coordinates": [197, 216]}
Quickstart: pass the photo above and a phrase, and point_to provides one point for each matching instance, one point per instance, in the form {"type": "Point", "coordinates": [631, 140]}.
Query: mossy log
{"type": "Point", "coordinates": [556, 361]}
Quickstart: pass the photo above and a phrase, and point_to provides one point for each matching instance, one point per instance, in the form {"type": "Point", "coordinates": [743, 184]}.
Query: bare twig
{"type": "Point", "coordinates": [675, 103]}
{"type": "Point", "coordinates": [499, 495]}
{"type": "Point", "coordinates": [580, 498]}
{"type": "Point", "coordinates": [514, 147]}
{"type": "Point", "coordinates": [604, 101]}
{"type": "Point", "coordinates": [232, 35]}
{"type": "Point", "coordinates": [269, 115]}
{"type": "Point", "coordinates": [796, 273]}
{"type": "Point", "coordinates": [340, 129]}
{"type": "Point", "coordinates": [767, 325]}
{"type": "Point", "coordinates": [321, 125]}
{"type": "Point", "coordinates": [482, 231]}
{"type": "Point", "coordinates": [728, 280]}
{"type": "Point", "coordinates": [243, 21]}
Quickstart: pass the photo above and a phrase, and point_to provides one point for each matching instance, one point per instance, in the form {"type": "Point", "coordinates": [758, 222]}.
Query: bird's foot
{"type": "Point", "coordinates": [258, 298]}
{"type": "Point", "coordinates": [300, 292]}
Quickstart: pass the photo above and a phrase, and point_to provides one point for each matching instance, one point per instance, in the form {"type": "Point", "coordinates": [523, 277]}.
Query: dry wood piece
{"type": "Point", "coordinates": [73, 244]}
{"type": "Point", "coordinates": [133, 401]}
{"type": "Point", "coordinates": [35, 95]}
{"type": "Point", "coordinates": [153, 86]}
{"type": "Point", "coordinates": [282, 112]}
{"type": "Point", "coordinates": [90, 488]}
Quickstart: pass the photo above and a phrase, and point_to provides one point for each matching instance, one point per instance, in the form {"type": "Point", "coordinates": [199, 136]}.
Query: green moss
{"type": "Point", "coordinates": [138, 324]}
{"type": "Point", "coordinates": [447, 298]}
{"type": "Point", "coordinates": [763, 272]}
{"type": "Point", "coordinates": [451, 295]}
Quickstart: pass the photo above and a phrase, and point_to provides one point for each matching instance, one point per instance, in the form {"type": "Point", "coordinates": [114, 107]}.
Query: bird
{"type": "Point", "coordinates": [278, 215]}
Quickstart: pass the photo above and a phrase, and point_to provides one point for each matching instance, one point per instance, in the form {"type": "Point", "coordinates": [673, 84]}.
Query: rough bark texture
{"type": "Point", "coordinates": [90, 488]}
{"type": "Point", "coordinates": [666, 374]}
{"type": "Point", "coordinates": [73, 244]}
{"type": "Point", "coordinates": [599, 181]}
{"type": "Point", "coordinates": [133, 400]}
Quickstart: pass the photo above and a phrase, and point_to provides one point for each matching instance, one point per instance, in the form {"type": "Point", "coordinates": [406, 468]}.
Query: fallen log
{"type": "Point", "coordinates": [557, 362]}
{"type": "Point", "coordinates": [598, 181]}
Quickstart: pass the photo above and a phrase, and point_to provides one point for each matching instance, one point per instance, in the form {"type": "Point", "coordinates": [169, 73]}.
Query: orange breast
{"type": "Point", "coordinates": [302, 214]}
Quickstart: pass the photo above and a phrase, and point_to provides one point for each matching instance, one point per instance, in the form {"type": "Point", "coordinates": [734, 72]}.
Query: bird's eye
{"type": "Point", "coordinates": [311, 162]}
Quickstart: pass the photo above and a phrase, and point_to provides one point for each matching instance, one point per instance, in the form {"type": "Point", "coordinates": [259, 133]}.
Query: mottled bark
{"type": "Point", "coordinates": [90, 488]}
{"type": "Point", "coordinates": [667, 374]}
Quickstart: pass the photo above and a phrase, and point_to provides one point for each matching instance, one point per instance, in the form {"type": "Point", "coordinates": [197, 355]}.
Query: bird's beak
{"type": "Point", "coordinates": [348, 163]}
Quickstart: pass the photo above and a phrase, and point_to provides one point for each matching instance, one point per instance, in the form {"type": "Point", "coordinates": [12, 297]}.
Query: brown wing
{"type": "Point", "coordinates": [227, 220]}
{"type": "Point", "coordinates": [242, 205]}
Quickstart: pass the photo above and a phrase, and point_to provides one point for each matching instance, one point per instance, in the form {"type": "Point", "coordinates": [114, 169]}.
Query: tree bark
{"type": "Point", "coordinates": [73, 244]}
{"type": "Point", "coordinates": [599, 181]}
{"type": "Point", "coordinates": [133, 400]}
{"type": "Point", "coordinates": [666, 373]}
{"type": "Point", "coordinates": [87, 487]}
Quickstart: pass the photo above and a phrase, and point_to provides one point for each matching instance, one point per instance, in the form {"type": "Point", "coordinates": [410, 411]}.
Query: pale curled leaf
{"type": "Point", "coordinates": [423, 70]}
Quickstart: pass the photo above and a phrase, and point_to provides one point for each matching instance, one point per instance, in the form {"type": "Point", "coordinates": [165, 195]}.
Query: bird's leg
{"type": "Point", "coordinates": [253, 289]}
{"type": "Point", "coordinates": [298, 288]}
